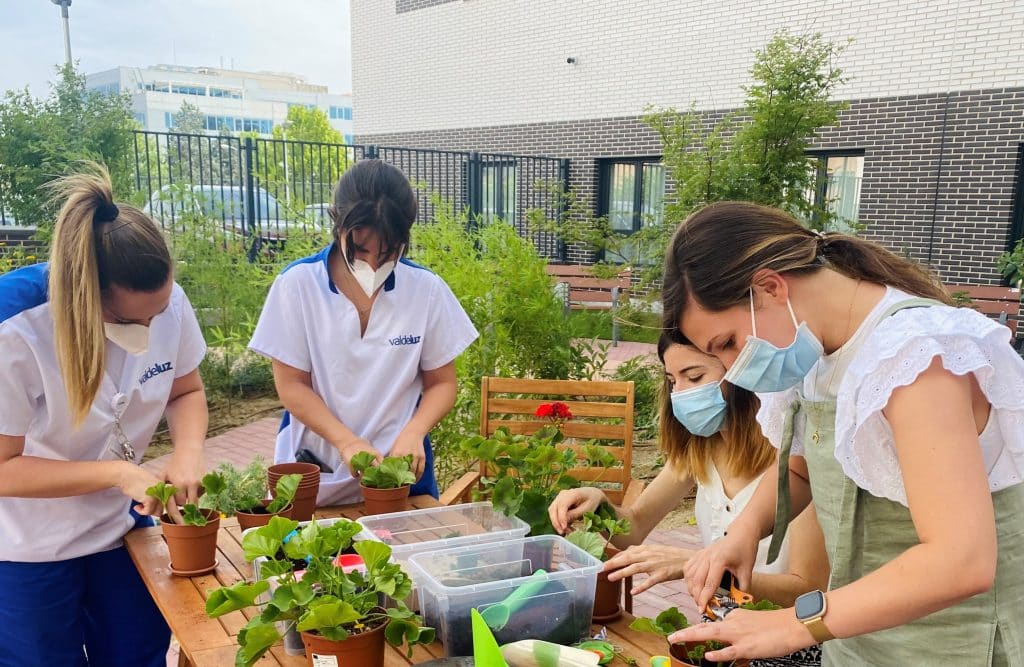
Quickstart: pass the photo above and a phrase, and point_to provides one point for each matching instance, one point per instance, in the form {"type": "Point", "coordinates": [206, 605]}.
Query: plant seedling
{"type": "Point", "coordinates": [190, 514]}
{"type": "Point", "coordinates": [391, 473]}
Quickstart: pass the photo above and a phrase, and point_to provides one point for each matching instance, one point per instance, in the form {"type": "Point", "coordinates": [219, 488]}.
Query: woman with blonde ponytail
{"type": "Point", "coordinates": [98, 345]}
{"type": "Point", "coordinates": [901, 416]}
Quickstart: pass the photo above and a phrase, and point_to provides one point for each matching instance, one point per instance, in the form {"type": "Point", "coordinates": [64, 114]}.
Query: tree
{"type": "Point", "coordinates": [42, 139]}
{"type": "Point", "coordinates": [758, 153]}
{"type": "Point", "coordinates": [311, 151]}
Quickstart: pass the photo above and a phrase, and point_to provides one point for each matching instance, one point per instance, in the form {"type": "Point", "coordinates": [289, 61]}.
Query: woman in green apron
{"type": "Point", "coordinates": [901, 416]}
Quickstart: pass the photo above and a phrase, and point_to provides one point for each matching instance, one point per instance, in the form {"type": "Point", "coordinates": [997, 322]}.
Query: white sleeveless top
{"type": "Point", "coordinates": [715, 511]}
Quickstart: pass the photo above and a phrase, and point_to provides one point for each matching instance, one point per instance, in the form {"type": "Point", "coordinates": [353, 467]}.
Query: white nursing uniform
{"type": "Point", "coordinates": [33, 404]}
{"type": "Point", "coordinates": [372, 383]}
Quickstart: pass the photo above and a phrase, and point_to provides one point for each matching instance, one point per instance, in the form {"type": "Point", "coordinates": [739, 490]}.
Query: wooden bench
{"type": "Point", "coordinates": [585, 291]}
{"type": "Point", "coordinates": [1000, 303]}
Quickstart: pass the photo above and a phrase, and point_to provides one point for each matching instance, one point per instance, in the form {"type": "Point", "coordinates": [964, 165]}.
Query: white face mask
{"type": "Point", "coordinates": [132, 338]}
{"type": "Point", "coordinates": [364, 274]}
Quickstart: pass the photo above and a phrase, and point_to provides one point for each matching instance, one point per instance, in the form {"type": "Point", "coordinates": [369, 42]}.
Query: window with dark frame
{"type": "Point", "coordinates": [1017, 223]}
{"type": "Point", "coordinates": [498, 191]}
{"type": "Point", "coordinates": [836, 187]}
{"type": "Point", "coordinates": [631, 194]}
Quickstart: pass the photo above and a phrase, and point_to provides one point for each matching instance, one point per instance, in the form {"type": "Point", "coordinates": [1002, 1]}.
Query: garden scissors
{"type": "Point", "coordinates": [726, 599]}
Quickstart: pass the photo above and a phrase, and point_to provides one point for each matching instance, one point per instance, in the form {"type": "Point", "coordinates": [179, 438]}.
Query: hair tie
{"type": "Point", "coordinates": [105, 212]}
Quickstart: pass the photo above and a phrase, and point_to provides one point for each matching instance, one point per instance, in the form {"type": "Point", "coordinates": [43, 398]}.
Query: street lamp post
{"type": "Point", "coordinates": [64, 4]}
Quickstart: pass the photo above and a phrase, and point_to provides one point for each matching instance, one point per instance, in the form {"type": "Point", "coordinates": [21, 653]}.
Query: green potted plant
{"type": "Point", "coordinates": [243, 493]}
{"type": "Point", "coordinates": [595, 537]}
{"type": "Point", "coordinates": [385, 485]}
{"type": "Point", "coordinates": [345, 614]}
{"type": "Point", "coordinates": [525, 473]}
{"type": "Point", "coordinates": [192, 541]}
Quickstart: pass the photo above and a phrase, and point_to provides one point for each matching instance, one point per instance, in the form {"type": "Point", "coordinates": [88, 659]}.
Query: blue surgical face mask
{"type": "Point", "coordinates": [762, 367]}
{"type": "Point", "coordinates": [700, 409]}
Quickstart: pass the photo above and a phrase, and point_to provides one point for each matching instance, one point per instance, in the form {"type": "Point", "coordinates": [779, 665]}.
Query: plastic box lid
{"type": "Point", "coordinates": [434, 528]}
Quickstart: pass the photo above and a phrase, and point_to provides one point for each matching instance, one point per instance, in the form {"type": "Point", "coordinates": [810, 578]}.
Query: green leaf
{"type": "Point", "coordinates": [274, 568]}
{"type": "Point", "coordinates": [162, 491]}
{"type": "Point", "coordinates": [362, 461]}
{"type": "Point", "coordinates": [233, 598]}
{"type": "Point", "coordinates": [254, 640]}
{"type": "Point", "coordinates": [327, 612]}
{"type": "Point", "coordinates": [592, 543]}
{"type": "Point", "coordinates": [671, 620]}
{"type": "Point", "coordinates": [192, 516]}
{"type": "Point", "coordinates": [267, 540]}
{"type": "Point", "coordinates": [213, 483]}
{"type": "Point", "coordinates": [291, 597]}
{"type": "Point", "coordinates": [374, 554]}
{"type": "Point", "coordinates": [286, 487]}
{"type": "Point", "coordinates": [760, 605]}
{"type": "Point", "coordinates": [645, 625]}
{"type": "Point", "coordinates": [506, 496]}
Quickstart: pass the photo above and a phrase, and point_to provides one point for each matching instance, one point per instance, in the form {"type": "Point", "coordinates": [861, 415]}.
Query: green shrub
{"type": "Point", "coordinates": [647, 378]}
{"type": "Point", "coordinates": [499, 279]}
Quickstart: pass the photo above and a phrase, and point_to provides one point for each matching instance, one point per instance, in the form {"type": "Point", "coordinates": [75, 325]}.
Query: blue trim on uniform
{"type": "Point", "coordinates": [313, 259]}
{"type": "Point", "coordinates": [286, 419]}
{"type": "Point", "coordinates": [408, 262]}
{"type": "Point", "coordinates": [23, 289]}
{"type": "Point", "coordinates": [389, 283]}
{"type": "Point", "coordinates": [49, 612]}
{"type": "Point", "coordinates": [427, 485]}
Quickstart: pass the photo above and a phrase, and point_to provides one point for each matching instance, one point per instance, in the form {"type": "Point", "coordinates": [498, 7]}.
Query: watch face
{"type": "Point", "coordinates": [810, 605]}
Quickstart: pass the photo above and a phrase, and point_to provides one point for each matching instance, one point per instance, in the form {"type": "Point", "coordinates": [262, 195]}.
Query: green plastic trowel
{"type": "Point", "coordinates": [485, 648]}
{"type": "Point", "coordinates": [498, 614]}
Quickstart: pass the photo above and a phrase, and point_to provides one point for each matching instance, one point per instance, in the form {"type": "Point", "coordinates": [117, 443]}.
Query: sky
{"type": "Point", "coordinates": [306, 37]}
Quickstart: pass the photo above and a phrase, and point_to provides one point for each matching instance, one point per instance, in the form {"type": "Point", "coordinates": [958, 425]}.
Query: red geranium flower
{"type": "Point", "coordinates": [561, 410]}
{"type": "Point", "coordinates": [544, 410]}
{"type": "Point", "coordinates": [556, 412]}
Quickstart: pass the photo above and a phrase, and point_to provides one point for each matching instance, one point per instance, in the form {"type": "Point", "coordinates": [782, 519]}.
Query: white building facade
{"type": "Point", "coordinates": [230, 99]}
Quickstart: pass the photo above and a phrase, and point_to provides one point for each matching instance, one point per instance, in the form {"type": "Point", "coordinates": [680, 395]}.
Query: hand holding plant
{"type": "Point", "coordinates": [190, 514]}
{"type": "Point", "coordinates": [391, 473]}
{"type": "Point", "coordinates": [598, 530]}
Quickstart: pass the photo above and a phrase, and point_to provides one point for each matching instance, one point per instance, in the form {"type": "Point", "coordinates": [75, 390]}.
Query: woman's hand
{"type": "Point", "coordinates": [133, 481]}
{"type": "Point", "coordinates": [185, 471]}
{"type": "Point", "coordinates": [750, 634]}
{"type": "Point", "coordinates": [571, 504]}
{"type": "Point", "coordinates": [352, 447]}
{"type": "Point", "coordinates": [659, 563]}
{"type": "Point", "coordinates": [410, 441]}
{"type": "Point", "coordinates": [735, 552]}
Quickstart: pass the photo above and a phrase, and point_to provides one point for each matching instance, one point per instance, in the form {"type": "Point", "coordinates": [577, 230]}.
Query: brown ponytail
{"type": "Point", "coordinates": [748, 452]}
{"type": "Point", "coordinates": [95, 244]}
{"type": "Point", "coordinates": [715, 253]}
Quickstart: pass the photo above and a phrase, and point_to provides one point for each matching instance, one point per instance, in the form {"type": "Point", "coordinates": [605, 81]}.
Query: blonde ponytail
{"type": "Point", "coordinates": [95, 243]}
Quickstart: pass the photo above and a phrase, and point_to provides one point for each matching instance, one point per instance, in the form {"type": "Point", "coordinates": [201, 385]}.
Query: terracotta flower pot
{"type": "Point", "coordinates": [385, 501]}
{"type": "Point", "coordinates": [193, 549]}
{"type": "Point", "coordinates": [305, 496]}
{"type": "Point", "coordinates": [677, 654]}
{"type": "Point", "coordinates": [365, 649]}
{"type": "Point", "coordinates": [608, 595]}
{"type": "Point", "coordinates": [247, 520]}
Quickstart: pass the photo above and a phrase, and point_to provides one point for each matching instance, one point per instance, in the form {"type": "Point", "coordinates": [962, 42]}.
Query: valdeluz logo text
{"type": "Point", "coordinates": [154, 370]}
{"type": "Point", "coordinates": [405, 340]}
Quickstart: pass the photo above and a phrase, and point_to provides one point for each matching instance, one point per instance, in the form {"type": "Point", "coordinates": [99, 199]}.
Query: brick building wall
{"type": "Point", "coordinates": [902, 137]}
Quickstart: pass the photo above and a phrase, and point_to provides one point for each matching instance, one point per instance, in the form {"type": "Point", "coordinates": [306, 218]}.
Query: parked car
{"type": "Point", "coordinates": [170, 204]}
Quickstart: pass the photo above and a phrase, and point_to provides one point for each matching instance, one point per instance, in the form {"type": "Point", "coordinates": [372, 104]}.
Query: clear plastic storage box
{"type": "Point", "coordinates": [530, 588]}
{"type": "Point", "coordinates": [418, 531]}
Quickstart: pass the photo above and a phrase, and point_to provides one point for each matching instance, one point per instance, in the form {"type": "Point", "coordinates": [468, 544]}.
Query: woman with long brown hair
{"type": "Point", "coordinates": [709, 437]}
{"type": "Point", "coordinates": [98, 344]}
{"type": "Point", "coordinates": [901, 416]}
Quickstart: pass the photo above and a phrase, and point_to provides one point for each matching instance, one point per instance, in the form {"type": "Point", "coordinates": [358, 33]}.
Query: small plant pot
{"type": "Point", "coordinates": [305, 496]}
{"type": "Point", "coordinates": [247, 520]}
{"type": "Point", "coordinates": [365, 649]}
{"type": "Point", "coordinates": [608, 594]}
{"type": "Point", "coordinates": [193, 549]}
{"type": "Point", "coordinates": [677, 654]}
{"type": "Point", "coordinates": [385, 501]}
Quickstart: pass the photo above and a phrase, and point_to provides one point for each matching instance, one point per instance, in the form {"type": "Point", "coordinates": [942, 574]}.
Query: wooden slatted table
{"type": "Point", "coordinates": [207, 642]}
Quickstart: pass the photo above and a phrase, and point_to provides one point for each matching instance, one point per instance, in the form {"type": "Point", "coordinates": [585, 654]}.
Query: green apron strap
{"type": "Point", "coordinates": [782, 500]}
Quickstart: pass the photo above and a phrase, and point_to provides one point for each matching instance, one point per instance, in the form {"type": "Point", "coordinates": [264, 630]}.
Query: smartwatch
{"type": "Point", "coordinates": [810, 608]}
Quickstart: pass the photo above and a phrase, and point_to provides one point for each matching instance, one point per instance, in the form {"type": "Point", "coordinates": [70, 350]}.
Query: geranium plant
{"type": "Point", "coordinates": [391, 473]}
{"type": "Point", "coordinates": [314, 594]}
{"type": "Point", "coordinates": [164, 492]}
{"type": "Point", "coordinates": [672, 620]}
{"type": "Point", "coordinates": [525, 473]}
{"type": "Point", "coordinates": [597, 530]}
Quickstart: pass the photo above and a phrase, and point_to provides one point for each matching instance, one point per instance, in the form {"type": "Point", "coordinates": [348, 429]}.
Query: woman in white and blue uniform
{"type": "Point", "coordinates": [362, 341]}
{"type": "Point", "coordinates": [98, 345]}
